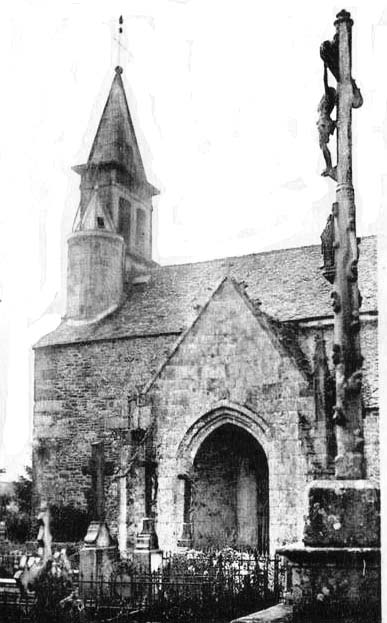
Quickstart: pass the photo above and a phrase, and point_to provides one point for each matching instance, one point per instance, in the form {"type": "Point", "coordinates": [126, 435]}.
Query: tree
{"type": "Point", "coordinates": [23, 492]}
{"type": "Point", "coordinates": [17, 513]}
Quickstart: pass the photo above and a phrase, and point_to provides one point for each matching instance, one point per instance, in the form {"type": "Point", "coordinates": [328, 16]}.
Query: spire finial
{"type": "Point", "coordinates": [119, 69]}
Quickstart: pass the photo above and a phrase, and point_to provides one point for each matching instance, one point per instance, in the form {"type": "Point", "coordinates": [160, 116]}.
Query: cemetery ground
{"type": "Point", "coordinates": [214, 585]}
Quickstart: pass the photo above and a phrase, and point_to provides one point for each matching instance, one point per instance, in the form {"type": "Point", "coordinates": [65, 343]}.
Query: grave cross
{"type": "Point", "coordinates": [98, 468]}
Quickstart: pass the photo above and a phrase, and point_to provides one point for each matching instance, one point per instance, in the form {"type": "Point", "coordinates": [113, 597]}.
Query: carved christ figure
{"type": "Point", "coordinates": [326, 125]}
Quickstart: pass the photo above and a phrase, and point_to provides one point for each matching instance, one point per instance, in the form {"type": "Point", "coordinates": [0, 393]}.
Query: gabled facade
{"type": "Point", "coordinates": [210, 383]}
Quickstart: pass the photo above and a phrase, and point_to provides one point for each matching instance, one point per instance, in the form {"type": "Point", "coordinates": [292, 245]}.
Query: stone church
{"type": "Point", "coordinates": [209, 383]}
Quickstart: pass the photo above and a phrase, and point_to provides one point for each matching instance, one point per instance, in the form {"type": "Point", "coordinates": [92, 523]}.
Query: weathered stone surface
{"type": "Point", "coordinates": [95, 567]}
{"type": "Point", "coordinates": [328, 577]}
{"type": "Point", "coordinates": [343, 513]}
{"type": "Point", "coordinates": [231, 370]}
{"type": "Point", "coordinates": [91, 383]}
{"type": "Point", "coordinates": [227, 361]}
{"type": "Point", "coordinates": [48, 406]}
{"type": "Point", "coordinates": [94, 273]}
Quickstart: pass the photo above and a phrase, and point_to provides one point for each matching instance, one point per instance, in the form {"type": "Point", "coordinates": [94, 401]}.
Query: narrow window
{"type": "Point", "coordinates": [141, 230]}
{"type": "Point", "coordinates": [124, 219]}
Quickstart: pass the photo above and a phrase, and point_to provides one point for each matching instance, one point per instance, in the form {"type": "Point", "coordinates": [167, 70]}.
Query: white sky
{"type": "Point", "coordinates": [223, 94]}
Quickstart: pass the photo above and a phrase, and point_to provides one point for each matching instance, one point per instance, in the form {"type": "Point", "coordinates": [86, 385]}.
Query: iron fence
{"type": "Point", "coordinates": [17, 608]}
{"type": "Point", "coordinates": [196, 586]}
{"type": "Point", "coordinates": [9, 563]}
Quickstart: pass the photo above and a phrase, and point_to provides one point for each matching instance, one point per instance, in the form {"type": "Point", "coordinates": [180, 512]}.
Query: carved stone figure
{"type": "Point", "coordinates": [328, 250]}
{"type": "Point", "coordinates": [326, 125]}
{"type": "Point", "coordinates": [329, 52]}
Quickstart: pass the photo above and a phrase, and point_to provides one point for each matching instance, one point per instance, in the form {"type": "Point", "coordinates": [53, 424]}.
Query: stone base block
{"type": "Point", "coordinates": [185, 540]}
{"type": "Point", "coordinates": [147, 539]}
{"type": "Point", "coordinates": [343, 513]}
{"type": "Point", "coordinates": [147, 561]}
{"type": "Point", "coordinates": [95, 570]}
{"type": "Point", "coordinates": [336, 582]}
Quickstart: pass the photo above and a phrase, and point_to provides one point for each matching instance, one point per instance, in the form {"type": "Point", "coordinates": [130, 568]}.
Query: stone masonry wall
{"type": "Point", "coordinates": [369, 348]}
{"type": "Point", "coordinates": [230, 471]}
{"type": "Point", "coordinates": [229, 368]}
{"type": "Point", "coordinates": [80, 396]}
{"type": "Point", "coordinates": [229, 361]}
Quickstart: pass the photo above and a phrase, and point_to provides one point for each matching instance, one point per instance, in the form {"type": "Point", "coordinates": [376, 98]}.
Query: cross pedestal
{"type": "Point", "coordinates": [99, 551]}
{"type": "Point", "coordinates": [147, 557]}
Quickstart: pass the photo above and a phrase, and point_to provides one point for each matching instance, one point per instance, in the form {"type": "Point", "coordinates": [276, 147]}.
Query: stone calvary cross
{"type": "Point", "coordinates": [98, 468]}
{"type": "Point", "coordinates": [341, 250]}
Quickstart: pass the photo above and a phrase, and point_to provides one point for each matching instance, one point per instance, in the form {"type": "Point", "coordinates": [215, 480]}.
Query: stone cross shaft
{"type": "Point", "coordinates": [98, 468]}
{"type": "Point", "coordinates": [345, 295]}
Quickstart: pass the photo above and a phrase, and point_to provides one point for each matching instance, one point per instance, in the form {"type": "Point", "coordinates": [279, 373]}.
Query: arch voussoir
{"type": "Point", "coordinates": [224, 412]}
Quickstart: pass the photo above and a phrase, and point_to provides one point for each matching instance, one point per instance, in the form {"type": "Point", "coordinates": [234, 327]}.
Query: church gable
{"type": "Point", "coordinates": [228, 375]}
{"type": "Point", "coordinates": [232, 341]}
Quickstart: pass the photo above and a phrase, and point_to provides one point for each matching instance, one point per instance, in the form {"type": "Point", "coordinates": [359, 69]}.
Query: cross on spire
{"type": "Point", "coordinates": [98, 468]}
{"type": "Point", "coordinates": [119, 39]}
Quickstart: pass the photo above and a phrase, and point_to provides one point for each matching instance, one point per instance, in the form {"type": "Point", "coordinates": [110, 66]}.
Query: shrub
{"type": "Point", "coordinates": [68, 523]}
{"type": "Point", "coordinates": [18, 526]}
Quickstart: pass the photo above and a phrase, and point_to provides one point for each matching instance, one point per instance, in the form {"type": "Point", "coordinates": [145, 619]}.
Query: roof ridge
{"type": "Point", "coordinates": [237, 257]}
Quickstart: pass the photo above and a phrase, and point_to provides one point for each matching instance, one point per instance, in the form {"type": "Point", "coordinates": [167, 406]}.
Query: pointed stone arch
{"type": "Point", "coordinates": [224, 412]}
{"type": "Point", "coordinates": [236, 438]}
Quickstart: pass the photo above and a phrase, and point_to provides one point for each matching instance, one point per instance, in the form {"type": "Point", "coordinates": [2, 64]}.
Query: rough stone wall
{"type": "Point", "coordinates": [80, 396]}
{"type": "Point", "coordinates": [94, 273]}
{"type": "Point", "coordinates": [214, 496]}
{"type": "Point", "coordinates": [229, 487]}
{"type": "Point", "coordinates": [369, 348]}
{"type": "Point", "coordinates": [229, 358]}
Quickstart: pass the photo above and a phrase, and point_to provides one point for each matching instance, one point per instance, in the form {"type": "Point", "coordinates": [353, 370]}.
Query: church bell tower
{"type": "Point", "coordinates": [112, 233]}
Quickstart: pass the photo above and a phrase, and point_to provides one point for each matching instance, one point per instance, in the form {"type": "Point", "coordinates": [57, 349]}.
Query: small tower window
{"type": "Point", "coordinates": [140, 230]}
{"type": "Point", "coordinates": [100, 222]}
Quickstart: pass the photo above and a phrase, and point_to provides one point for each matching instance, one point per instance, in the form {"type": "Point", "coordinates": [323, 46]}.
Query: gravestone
{"type": "Point", "coordinates": [99, 550]}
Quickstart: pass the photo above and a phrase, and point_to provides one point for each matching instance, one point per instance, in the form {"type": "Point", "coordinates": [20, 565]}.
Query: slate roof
{"type": "Point", "coordinates": [288, 282]}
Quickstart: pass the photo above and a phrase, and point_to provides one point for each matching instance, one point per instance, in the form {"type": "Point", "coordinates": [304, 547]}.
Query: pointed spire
{"type": "Point", "coordinates": [115, 142]}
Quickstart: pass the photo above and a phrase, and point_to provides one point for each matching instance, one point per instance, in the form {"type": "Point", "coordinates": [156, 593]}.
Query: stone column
{"type": "Point", "coordinates": [185, 540]}
{"type": "Point", "coordinates": [123, 497]}
{"type": "Point", "coordinates": [347, 356]}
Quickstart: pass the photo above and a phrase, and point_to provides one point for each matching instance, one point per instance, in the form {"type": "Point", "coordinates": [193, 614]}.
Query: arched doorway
{"type": "Point", "coordinates": [230, 491]}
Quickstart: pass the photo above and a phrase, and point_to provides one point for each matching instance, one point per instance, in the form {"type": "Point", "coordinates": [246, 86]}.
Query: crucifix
{"type": "Point", "coordinates": [98, 468]}
{"type": "Point", "coordinates": [147, 538]}
{"type": "Point", "coordinates": [346, 298]}
{"type": "Point", "coordinates": [99, 550]}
